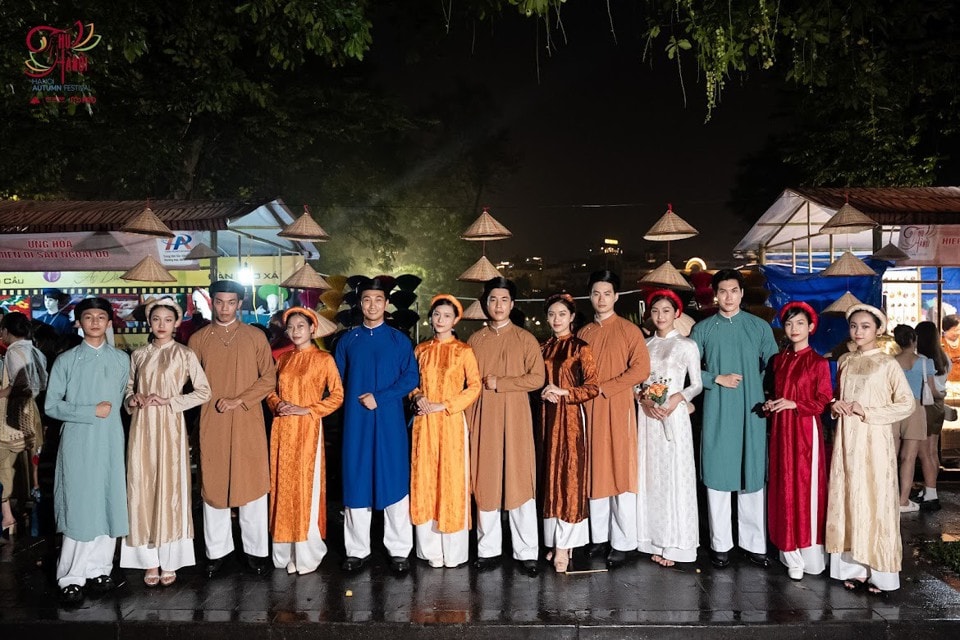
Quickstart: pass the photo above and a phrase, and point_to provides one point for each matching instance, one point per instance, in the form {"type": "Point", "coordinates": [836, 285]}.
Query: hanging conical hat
{"type": "Point", "coordinates": [305, 228]}
{"type": "Point", "coordinates": [668, 276]}
{"type": "Point", "coordinates": [305, 277]}
{"type": "Point", "coordinates": [200, 252]}
{"type": "Point", "coordinates": [325, 327]}
{"type": "Point", "coordinates": [670, 226]}
{"type": "Point", "coordinates": [848, 220]}
{"type": "Point", "coordinates": [848, 265]}
{"type": "Point", "coordinates": [148, 270]}
{"type": "Point", "coordinates": [841, 304]}
{"type": "Point", "coordinates": [891, 253]}
{"type": "Point", "coordinates": [474, 312]}
{"type": "Point", "coordinates": [147, 223]}
{"type": "Point", "coordinates": [480, 271]}
{"type": "Point", "coordinates": [486, 227]}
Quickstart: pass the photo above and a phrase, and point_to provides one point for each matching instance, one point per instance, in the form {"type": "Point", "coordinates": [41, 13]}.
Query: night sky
{"type": "Point", "coordinates": [601, 128]}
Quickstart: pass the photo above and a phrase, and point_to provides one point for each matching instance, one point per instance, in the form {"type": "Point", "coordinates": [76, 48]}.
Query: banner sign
{"type": "Point", "coordinates": [930, 245]}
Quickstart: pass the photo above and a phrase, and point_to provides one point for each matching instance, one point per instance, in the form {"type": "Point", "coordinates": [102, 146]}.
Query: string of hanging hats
{"type": "Point", "coordinates": [147, 223]}
{"type": "Point", "coordinates": [484, 229]}
{"type": "Point", "coordinates": [148, 270]}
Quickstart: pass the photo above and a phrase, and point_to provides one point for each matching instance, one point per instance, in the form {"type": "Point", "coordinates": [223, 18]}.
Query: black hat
{"type": "Point", "coordinates": [227, 286]}
{"type": "Point", "coordinates": [374, 284]}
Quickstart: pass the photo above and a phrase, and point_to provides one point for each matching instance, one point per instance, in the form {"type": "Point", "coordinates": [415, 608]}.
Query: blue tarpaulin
{"type": "Point", "coordinates": [820, 292]}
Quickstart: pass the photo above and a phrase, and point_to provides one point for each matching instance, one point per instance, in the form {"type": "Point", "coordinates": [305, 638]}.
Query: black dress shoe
{"type": "Point", "coordinates": [399, 565]}
{"type": "Point", "coordinates": [100, 584]}
{"type": "Point", "coordinates": [720, 559]}
{"type": "Point", "coordinates": [258, 565]}
{"type": "Point", "coordinates": [530, 567]}
{"type": "Point", "coordinates": [616, 558]}
{"type": "Point", "coordinates": [483, 564]}
{"type": "Point", "coordinates": [353, 563]}
{"type": "Point", "coordinates": [759, 559]}
{"type": "Point", "coordinates": [597, 549]}
{"type": "Point", "coordinates": [71, 595]}
{"type": "Point", "coordinates": [930, 505]}
{"type": "Point", "coordinates": [215, 566]}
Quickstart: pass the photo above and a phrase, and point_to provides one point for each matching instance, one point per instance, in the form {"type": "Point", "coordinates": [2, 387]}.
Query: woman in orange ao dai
{"type": "Point", "coordinates": [440, 474]}
{"type": "Point", "coordinates": [308, 389]}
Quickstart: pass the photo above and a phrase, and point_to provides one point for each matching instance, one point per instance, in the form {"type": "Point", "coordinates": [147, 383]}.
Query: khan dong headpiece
{"type": "Point", "coordinates": [806, 308]}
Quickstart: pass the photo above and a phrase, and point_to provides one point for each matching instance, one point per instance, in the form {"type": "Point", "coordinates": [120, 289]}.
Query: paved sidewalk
{"type": "Point", "coordinates": [639, 600]}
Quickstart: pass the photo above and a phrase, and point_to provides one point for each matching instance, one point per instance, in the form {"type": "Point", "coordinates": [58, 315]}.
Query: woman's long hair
{"type": "Point", "coordinates": [928, 344]}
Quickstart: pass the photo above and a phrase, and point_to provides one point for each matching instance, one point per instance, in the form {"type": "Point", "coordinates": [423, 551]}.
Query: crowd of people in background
{"type": "Point", "coordinates": [584, 442]}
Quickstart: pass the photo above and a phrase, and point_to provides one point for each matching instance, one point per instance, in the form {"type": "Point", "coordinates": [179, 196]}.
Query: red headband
{"type": "Point", "coordinates": [668, 293]}
{"type": "Point", "coordinates": [803, 306]}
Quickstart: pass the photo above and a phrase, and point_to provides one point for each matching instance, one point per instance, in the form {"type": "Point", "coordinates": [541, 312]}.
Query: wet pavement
{"type": "Point", "coordinates": [638, 600]}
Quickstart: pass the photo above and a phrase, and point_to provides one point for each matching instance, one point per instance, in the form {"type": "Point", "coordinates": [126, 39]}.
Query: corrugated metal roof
{"type": "Point", "coordinates": [64, 216]}
{"type": "Point", "coordinates": [893, 205]}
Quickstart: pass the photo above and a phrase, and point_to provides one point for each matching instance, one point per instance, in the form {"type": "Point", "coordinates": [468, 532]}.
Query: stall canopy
{"type": "Point", "coordinates": [922, 221]}
{"type": "Point", "coordinates": [84, 235]}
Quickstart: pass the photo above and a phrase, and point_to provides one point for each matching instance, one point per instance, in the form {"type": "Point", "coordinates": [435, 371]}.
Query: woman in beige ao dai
{"type": "Point", "coordinates": [863, 505]}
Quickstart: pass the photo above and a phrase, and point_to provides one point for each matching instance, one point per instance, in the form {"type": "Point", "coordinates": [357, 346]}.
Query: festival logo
{"type": "Point", "coordinates": [54, 55]}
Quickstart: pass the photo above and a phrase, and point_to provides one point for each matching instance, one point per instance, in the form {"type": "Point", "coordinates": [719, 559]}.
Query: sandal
{"type": "Point", "coordinates": [167, 578]}
{"type": "Point", "coordinates": [874, 590]}
{"type": "Point", "coordinates": [151, 578]}
{"type": "Point", "coordinates": [854, 585]}
{"type": "Point", "coordinates": [561, 560]}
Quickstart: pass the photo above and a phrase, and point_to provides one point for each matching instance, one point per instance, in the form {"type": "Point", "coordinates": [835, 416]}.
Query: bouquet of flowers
{"type": "Point", "coordinates": [657, 389]}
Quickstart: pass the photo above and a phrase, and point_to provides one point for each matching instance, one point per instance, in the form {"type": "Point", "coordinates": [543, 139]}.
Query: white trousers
{"type": "Point", "coordinates": [614, 520]}
{"type": "Point", "coordinates": [218, 529]}
{"type": "Point", "coordinates": [751, 519]}
{"type": "Point", "coordinates": [169, 557]}
{"type": "Point", "coordinates": [523, 532]}
{"type": "Point", "coordinates": [304, 556]}
{"type": "Point", "coordinates": [843, 567]}
{"type": "Point", "coordinates": [397, 530]}
{"type": "Point", "coordinates": [565, 535]}
{"type": "Point", "coordinates": [812, 559]}
{"type": "Point", "coordinates": [81, 561]}
{"type": "Point", "coordinates": [442, 549]}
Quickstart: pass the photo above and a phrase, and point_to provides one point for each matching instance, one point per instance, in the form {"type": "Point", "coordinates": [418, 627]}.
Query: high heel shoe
{"type": "Point", "coordinates": [8, 533]}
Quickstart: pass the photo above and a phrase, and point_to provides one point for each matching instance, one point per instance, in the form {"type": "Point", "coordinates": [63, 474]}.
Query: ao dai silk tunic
{"type": "Point", "coordinates": [233, 444]}
{"type": "Point", "coordinates": [158, 461]}
{"type": "Point", "coordinates": [863, 508]}
{"type": "Point", "coordinates": [438, 483]}
{"type": "Point", "coordinates": [502, 459]}
{"type": "Point", "coordinates": [89, 493]}
{"type": "Point", "coordinates": [667, 499]}
{"type": "Point", "coordinates": [733, 450]}
{"type": "Point", "coordinates": [804, 377]}
{"type": "Point", "coordinates": [569, 365]}
{"type": "Point", "coordinates": [376, 449]}
{"type": "Point", "coordinates": [308, 379]}
{"type": "Point", "coordinates": [622, 361]}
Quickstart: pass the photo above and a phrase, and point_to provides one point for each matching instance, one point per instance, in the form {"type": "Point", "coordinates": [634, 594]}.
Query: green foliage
{"type": "Point", "coordinates": [945, 553]}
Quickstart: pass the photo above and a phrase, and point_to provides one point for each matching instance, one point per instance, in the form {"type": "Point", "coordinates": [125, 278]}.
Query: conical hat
{"type": "Point", "coordinates": [848, 265]}
{"type": "Point", "coordinates": [337, 282]}
{"type": "Point", "coordinates": [891, 253]}
{"type": "Point", "coordinates": [668, 276]}
{"type": "Point", "coordinates": [325, 327]}
{"type": "Point", "coordinates": [305, 277]}
{"type": "Point", "coordinates": [305, 228]}
{"type": "Point", "coordinates": [474, 312]}
{"type": "Point", "coordinates": [486, 227]}
{"type": "Point", "coordinates": [332, 299]}
{"type": "Point", "coordinates": [147, 223]}
{"type": "Point", "coordinates": [848, 219]}
{"type": "Point", "coordinates": [200, 252]}
{"type": "Point", "coordinates": [841, 304]}
{"type": "Point", "coordinates": [480, 271]}
{"type": "Point", "coordinates": [148, 270]}
{"type": "Point", "coordinates": [670, 226]}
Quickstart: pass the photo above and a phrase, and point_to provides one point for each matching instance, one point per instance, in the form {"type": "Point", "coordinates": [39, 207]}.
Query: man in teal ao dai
{"type": "Point", "coordinates": [736, 348]}
{"type": "Point", "coordinates": [85, 391]}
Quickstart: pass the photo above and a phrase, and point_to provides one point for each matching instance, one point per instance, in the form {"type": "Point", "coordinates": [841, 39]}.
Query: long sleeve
{"type": "Point", "coordinates": [131, 383]}
{"type": "Point", "coordinates": [588, 387]}
{"type": "Point", "coordinates": [768, 345]}
{"type": "Point", "coordinates": [56, 405]}
{"type": "Point", "coordinates": [902, 402]}
{"type": "Point", "coordinates": [334, 400]}
{"type": "Point", "coordinates": [638, 370]}
{"type": "Point", "coordinates": [707, 377]}
{"type": "Point", "coordinates": [267, 380]}
{"type": "Point", "coordinates": [471, 375]}
{"type": "Point", "coordinates": [409, 373]}
{"type": "Point", "coordinates": [814, 406]}
{"type": "Point", "coordinates": [201, 388]}
{"type": "Point", "coordinates": [534, 371]}
{"type": "Point", "coordinates": [692, 361]}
